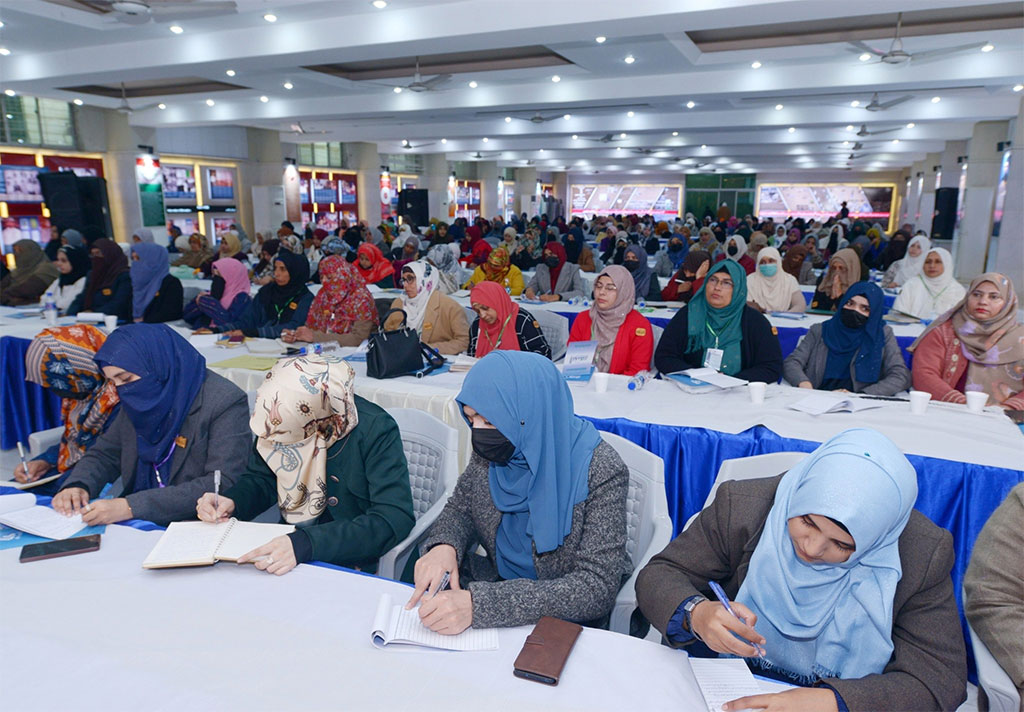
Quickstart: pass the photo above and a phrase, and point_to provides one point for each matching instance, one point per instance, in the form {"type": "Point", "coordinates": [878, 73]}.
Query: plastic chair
{"type": "Point", "coordinates": [750, 468]}
{"type": "Point", "coordinates": [42, 440]}
{"type": "Point", "coordinates": [657, 331]}
{"type": "Point", "coordinates": [999, 688]}
{"type": "Point", "coordinates": [432, 451]}
{"type": "Point", "coordinates": [555, 328]}
{"type": "Point", "coordinates": [648, 526]}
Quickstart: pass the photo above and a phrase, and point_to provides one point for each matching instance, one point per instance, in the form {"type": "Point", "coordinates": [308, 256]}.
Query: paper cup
{"type": "Point", "coordinates": [600, 382]}
{"type": "Point", "coordinates": [110, 321]}
{"type": "Point", "coordinates": [919, 402]}
{"type": "Point", "coordinates": [756, 390]}
{"type": "Point", "coordinates": [976, 401]}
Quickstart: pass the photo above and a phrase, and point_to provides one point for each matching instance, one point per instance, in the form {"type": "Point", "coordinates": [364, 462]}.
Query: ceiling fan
{"type": "Point", "coordinates": [125, 108]}
{"type": "Point", "coordinates": [647, 151]}
{"type": "Point", "coordinates": [876, 105]}
{"type": "Point", "coordinates": [408, 146]}
{"type": "Point", "coordinates": [139, 12]}
{"type": "Point", "coordinates": [537, 118]}
{"type": "Point", "coordinates": [897, 55]}
{"type": "Point", "coordinates": [418, 84]}
{"type": "Point", "coordinates": [607, 138]}
{"type": "Point", "coordinates": [298, 128]}
{"type": "Point", "coordinates": [478, 155]}
{"type": "Point", "coordinates": [855, 147]}
{"type": "Point", "coordinates": [864, 131]}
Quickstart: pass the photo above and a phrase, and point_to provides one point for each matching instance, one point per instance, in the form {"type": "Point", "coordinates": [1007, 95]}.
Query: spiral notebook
{"type": "Point", "coordinates": [204, 543]}
{"type": "Point", "coordinates": [393, 625]}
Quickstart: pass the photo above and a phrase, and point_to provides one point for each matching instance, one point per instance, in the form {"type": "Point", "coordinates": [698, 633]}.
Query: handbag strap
{"type": "Point", "coordinates": [388, 315]}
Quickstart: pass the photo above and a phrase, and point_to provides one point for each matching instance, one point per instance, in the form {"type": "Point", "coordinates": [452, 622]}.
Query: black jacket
{"type": "Point", "coordinates": [117, 299]}
{"type": "Point", "coordinates": [167, 304]}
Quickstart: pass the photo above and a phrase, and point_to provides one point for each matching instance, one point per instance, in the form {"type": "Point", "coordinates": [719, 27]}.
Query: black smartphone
{"type": "Point", "coordinates": [62, 547]}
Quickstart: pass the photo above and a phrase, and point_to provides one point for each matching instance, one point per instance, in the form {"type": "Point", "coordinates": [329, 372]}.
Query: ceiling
{"type": "Point", "coordinates": [692, 92]}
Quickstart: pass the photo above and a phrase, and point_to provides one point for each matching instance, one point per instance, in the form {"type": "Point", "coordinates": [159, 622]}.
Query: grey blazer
{"type": "Point", "coordinates": [928, 668]}
{"type": "Point", "coordinates": [217, 437]}
{"type": "Point", "coordinates": [807, 363]}
{"type": "Point", "coordinates": [569, 283]}
{"type": "Point", "coordinates": [578, 581]}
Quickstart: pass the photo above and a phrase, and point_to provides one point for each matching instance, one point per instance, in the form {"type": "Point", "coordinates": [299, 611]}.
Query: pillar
{"type": "Point", "coordinates": [526, 187]}
{"type": "Point", "coordinates": [487, 174]}
{"type": "Point", "coordinates": [435, 180]}
{"type": "Point", "coordinates": [1009, 246]}
{"type": "Point", "coordinates": [364, 159]}
{"type": "Point", "coordinates": [926, 209]}
{"type": "Point", "coordinates": [265, 167]}
{"type": "Point", "coordinates": [982, 177]}
{"type": "Point", "coordinates": [560, 188]}
{"type": "Point", "coordinates": [123, 142]}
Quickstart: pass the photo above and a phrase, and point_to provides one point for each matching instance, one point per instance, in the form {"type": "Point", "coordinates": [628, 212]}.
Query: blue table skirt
{"type": "Point", "coordinates": [24, 407]}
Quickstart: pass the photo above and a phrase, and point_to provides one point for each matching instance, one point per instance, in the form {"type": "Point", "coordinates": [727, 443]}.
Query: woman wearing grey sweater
{"type": "Point", "coordinates": [543, 495]}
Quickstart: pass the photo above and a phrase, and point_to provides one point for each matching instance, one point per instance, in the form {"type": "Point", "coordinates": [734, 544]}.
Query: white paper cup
{"type": "Point", "coordinates": [110, 321]}
{"type": "Point", "coordinates": [976, 401]}
{"type": "Point", "coordinates": [600, 381]}
{"type": "Point", "coordinates": [756, 390]}
{"type": "Point", "coordinates": [919, 402]}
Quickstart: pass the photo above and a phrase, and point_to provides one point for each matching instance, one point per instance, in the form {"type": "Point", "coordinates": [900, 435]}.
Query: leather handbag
{"type": "Point", "coordinates": [399, 352]}
{"type": "Point", "coordinates": [546, 649]}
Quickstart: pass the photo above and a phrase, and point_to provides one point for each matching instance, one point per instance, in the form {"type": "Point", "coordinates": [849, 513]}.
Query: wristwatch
{"type": "Point", "coordinates": [691, 603]}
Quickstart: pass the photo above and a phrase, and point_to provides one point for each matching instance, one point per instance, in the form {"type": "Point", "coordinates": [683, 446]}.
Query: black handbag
{"type": "Point", "coordinates": [399, 353]}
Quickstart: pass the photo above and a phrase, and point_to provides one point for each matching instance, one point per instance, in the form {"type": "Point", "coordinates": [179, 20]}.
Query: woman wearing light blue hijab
{"type": "Point", "coordinates": [543, 494]}
{"type": "Point", "coordinates": [157, 295]}
{"type": "Point", "coordinates": [845, 588]}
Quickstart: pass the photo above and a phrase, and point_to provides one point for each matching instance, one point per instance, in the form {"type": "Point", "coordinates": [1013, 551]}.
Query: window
{"type": "Point", "coordinates": [29, 121]}
{"type": "Point", "coordinates": [706, 192]}
{"type": "Point", "coordinates": [329, 155]}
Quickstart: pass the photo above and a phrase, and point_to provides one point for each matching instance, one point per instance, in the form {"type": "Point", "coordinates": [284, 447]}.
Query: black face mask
{"type": "Point", "coordinates": [552, 261]}
{"type": "Point", "coordinates": [631, 265]}
{"type": "Point", "coordinates": [217, 287]}
{"type": "Point", "coordinates": [674, 248]}
{"type": "Point", "coordinates": [852, 319]}
{"type": "Point", "coordinates": [492, 446]}
{"type": "Point", "coordinates": [732, 249]}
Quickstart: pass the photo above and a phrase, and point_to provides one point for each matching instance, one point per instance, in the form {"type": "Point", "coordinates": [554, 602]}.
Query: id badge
{"type": "Point", "coordinates": [713, 359]}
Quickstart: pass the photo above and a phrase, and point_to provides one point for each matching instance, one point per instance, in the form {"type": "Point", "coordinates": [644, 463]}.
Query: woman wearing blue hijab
{"type": "Point", "coordinates": [178, 424]}
{"type": "Point", "coordinates": [157, 295]}
{"type": "Point", "coordinates": [842, 585]}
{"type": "Point", "coordinates": [543, 494]}
{"type": "Point", "coordinates": [852, 351]}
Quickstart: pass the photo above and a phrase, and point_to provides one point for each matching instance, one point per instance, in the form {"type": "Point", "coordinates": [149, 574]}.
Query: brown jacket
{"type": "Point", "coordinates": [586, 260]}
{"type": "Point", "coordinates": [445, 326]}
{"type": "Point", "coordinates": [928, 667]}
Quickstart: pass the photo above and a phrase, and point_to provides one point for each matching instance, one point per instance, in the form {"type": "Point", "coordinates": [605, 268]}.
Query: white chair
{"type": "Point", "coordinates": [648, 526]}
{"type": "Point", "coordinates": [42, 440]}
{"type": "Point", "coordinates": [432, 451]}
{"type": "Point", "coordinates": [657, 331]}
{"type": "Point", "coordinates": [471, 315]}
{"type": "Point", "coordinates": [750, 468]}
{"type": "Point", "coordinates": [555, 328]}
{"type": "Point", "coordinates": [999, 688]}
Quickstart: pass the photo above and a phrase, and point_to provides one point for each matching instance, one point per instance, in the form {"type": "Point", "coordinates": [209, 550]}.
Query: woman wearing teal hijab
{"type": "Point", "coordinates": [843, 586]}
{"type": "Point", "coordinates": [543, 494]}
{"type": "Point", "coordinates": [717, 329]}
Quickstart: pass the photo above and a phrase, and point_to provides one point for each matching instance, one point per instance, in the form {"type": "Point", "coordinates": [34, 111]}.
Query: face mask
{"type": "Point", "coordinates": [631, 265]}
{"type": "Point", "coordinates": [675, 248]}
{"type": "Point", "coordinates": [852, 319]}
{"type": "Point", "coordinates": [492, 446]}
{"type": "Point", "coordinates": [217, 287]}
{"type": "Point", "coordinates": [552, 261]}
{"type": "Point", "coordinates": [768, 270]}
{"type": "Point", "coordinates": [732, 250]}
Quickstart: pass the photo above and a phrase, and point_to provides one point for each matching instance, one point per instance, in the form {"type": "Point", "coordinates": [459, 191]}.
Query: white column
{"type": "Point", "coordinates": [487, 174]}
{"type": "Point", "coordinates": [364, 159]}
{"type": "Point", "coordinates": [435, 180]}
{"type": "Point", "coordinates": [264, 167]}
{"type": "Point", "coordinates": [526, 186]}
{"type": "Point", "coordinates": [932, 164]}
{"type": "Point", "coordinates": [982, 176]}
{"type": "Point", "coordinates": [123, 142]}
{"type": "Point", "coordinates": [560, 187]}
{"type": "Point", "coordinates": [1009, 246]}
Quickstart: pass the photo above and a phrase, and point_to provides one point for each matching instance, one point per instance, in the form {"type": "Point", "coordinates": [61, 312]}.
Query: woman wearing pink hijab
{"type": "Point", "coordinates": [227, 299]}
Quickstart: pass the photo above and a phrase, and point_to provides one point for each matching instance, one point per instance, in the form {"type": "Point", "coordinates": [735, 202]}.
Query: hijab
{"type": "Point", "coordinates": [171, 373]}
{"type": "Point", "coordinates": [573, 241]}
{"type": "Point", "coordinates": [709, 328]}
{"type": "Point", "coordinates": [73, 237]}
{"type": "Point", "coordinates": [497, 266]}
{"type": "Point", "coordinates": [61, 359]}
{"type": "Point", "coordinates": [236, 279]}
{"type": "Point", "coordinates": [273, 297]}
{"type": "Point", "coordinates": [605, 323]}
{"type": "Point", "coordinates": [556, 249]}
{"type": "Point", "coordinates": [442, 258]}
{"type": "Point", "coordinates": [106, 267]}
{"type": "Point", "coordinates": [195, 259]}
{"type": "Point", "coordinates": [643, 274]}
{"type": "Point", "coordinates": [834, 620]}
{"type": "Point", "coordinates": [741, 247]}
{"type": "Point", "coordinates": [927, 297]}
{"type": "Point", "coordinates": [760, 240]}
{"type": "Point", "coordinates": [525, 397]}
{"type": "Point", "coordinates": [416, 307]}
{"type": "Point", "coordinates": [502, 334]}
{"type": "Point", "coordinates": [31, 263]}
{"type": "Point", "coordinates": [480, 252]}
{"type": "Point", "coordinates": [679, 255]}
{"type": "Point", "coordinates": [334, 246]}
{"type": "Point", "coordinates": [909, 267]}
{"type": "Point", "coordinates": [147, 275]}
{"type": "Point", "coordinates": [304, 406]}
{"type": "Point", "coordinates": [79, 259]}
{"type": "Point", "coordinates": [144, 234]}
{"type": "Point", "coordinates": [343, 298]}
{"type": "Point", "coordinates": [867, 342]}
{"type": "Point", "coordinates": [849, 259]}
{"type": "Point", "coordinates": [379, 266]}
{"type": "Point", "coordinates": [229, 240]}
{"type": "Point", "coordinates": [793, 262]}
{"type": "Point", "coordinates": [772, 293]}
{"type": "Point", "coordinates": [532, 244]}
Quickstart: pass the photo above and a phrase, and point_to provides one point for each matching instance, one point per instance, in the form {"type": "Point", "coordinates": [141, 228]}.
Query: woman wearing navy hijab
{"type": "Point", "coordinates": [179, 422]}
{"type": "Point", "coordinates": [543, 494]}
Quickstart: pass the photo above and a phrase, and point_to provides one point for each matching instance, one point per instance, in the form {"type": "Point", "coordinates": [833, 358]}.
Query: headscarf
{"type": "Point", "coordinates": [79, 259]}
{"type": "Point", "coordinates": [524, 396]}
{"type": "Point", "coordinates": [171, 373]}
{"type": "Point", "coordinates": [760, 240]}
{"type": "Point", "coordinates": [496, 268]}
{"type": "Point", "coordinates": [605, 323]}
{"type": "Point", "coordinates": [106, 267]}
{"type": "Point", "coordinates": [574, 242]}
{"type": "Point", "coordinates": [772, 293]}
{"type": "Point", "coordinates": [343, 298]}
{"type": "Point", "coordinates": [270, 247]}
{"type": "Point", "coordinates": [73, 237]}
{"type": "Point", "coordinates": [867, 343]}
{"type": "Point", "coordinates": [706, 240]}
{"type": "Point", "coordinates": [236, 279]}
{"type": "Point", "coordinates": [927, 297]}
{"type": "Point", "coordinates": [334, 246]}
{"type": "Point", "coordinates": [231, 241]}
{"type": "Point", "coordinates": [195, 259]}
{"type": "Point", "coordinates": [304, 406]}
{"type": "Point", "coordinates": [558, 251]}
{"type": "Point", "coordinates": [851, 261]}
{"type": "Point", "coordinates": [694, 259]}
{"type": "Point", "coordinates": [481, 251]}
{"type": "Point", "coordinates": [292, 243]}
{"type": "Point", "coordinates": [274, 298]}
{"type": "Point", "coordinates": [379, 266]}
{"type": "Point", "coordinates": [643, 274]}
{"type": "Point", "coordinates": [512, 244]}
{"type": "Point", "coordinates": [793, 262]}
{"type": "Point", "coordinates": [501, 335]}
{"type": "Point", "coordinates": [532, 244]}
{"type": "Point", "coordinates": [353, 236]}
{"type": "Point", "coordinates": [144, 234]}
{"type": "Point", "coordinates": [61, 359]}
{"type": "Point", "coordinates": [147, 275]}
{"type": "Point", "coordinates": [709, 328]}
{"type": "Point", "coordinates": [442, 258]}
{"type": "Point", "coordinates": [31, 262]}
{"type": "Point", "coordinates": [909, 267]}
{"type": "Point", "coordinates": [834, 620]}
{"type": "Point", "coordinates": [741, 247]}
{"type": "Point", "coordinates": [416, 307]}
{"type": "Point", "coordinates": [679, 256]}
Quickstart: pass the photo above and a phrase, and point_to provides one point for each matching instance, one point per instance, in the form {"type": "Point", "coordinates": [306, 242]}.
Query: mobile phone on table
{"type": "Point", "coordinates": [61, 547]}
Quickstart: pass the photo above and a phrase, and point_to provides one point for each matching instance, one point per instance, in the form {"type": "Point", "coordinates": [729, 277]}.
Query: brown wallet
{"type": "Point", "coordinates": [546, 649]}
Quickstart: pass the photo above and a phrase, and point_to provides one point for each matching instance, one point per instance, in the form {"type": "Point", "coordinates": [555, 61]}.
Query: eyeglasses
{"type": "Point", "coordinates": [409, 279]}
{"type": "Point", "coordinates": [724, 283]}
{"type": "Point", "coordinates": [602, 287]}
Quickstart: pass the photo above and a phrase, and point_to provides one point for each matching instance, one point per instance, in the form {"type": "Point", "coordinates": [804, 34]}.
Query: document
{"type": "Point", "coordinates": [821, 403]}
{"type": "Point", "coordinates": [29, 485]}
{"type": "Point", "coordinates": [203, 543]}
{"type": "Point", "coordinates": [393, 625]}
{"type": "Point", "coordinates": [251, 363]}
{"type": "Point", "coordinates": [20, 511]}
{"type": "Point", "coordinates": [265, 346]}
{"type": "Point", "coordinates": [723, 680]}
{"type": "Point", "coordinates": [703, 380]}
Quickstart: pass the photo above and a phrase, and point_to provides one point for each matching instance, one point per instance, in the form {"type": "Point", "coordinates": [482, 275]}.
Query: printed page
{"type": "Point", "coordinates": [243, 537]}
{"type": "Point", "coordinates": [723, 680]}
{"type": "Point", "coordinates": [43, 521]}
{"type": "Point", "coordinates": [715, 378]}
{"type": "Point", "coordinates": [187, 544]}
{"type": "Point", "coordinates": [13, 502]}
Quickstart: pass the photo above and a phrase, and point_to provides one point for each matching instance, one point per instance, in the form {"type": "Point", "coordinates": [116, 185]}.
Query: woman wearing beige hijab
{"type": "Point", "coordinates": [770, 288]}
{"type": "Point", "coordinates": [843, 270]}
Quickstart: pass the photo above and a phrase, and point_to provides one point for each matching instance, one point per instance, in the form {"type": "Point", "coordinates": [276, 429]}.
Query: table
{"type": "Point", "coordinates": [24, 407]}
{"type": "Point", "coordinates": [99, 632]}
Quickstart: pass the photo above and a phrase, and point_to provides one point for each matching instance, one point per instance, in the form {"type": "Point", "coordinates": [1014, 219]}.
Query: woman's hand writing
{"type": "Point", "coordinates": [715, 626]}
{"type": "Point", "coordinates": [430, 569]}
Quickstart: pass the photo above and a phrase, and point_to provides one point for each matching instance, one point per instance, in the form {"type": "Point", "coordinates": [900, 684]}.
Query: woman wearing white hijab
{"type": "Point", "coordinates": [934, 291]}
{"type": "Point", "coordinates": [438, 318]}
{"type": "Point", "coordinates": [770, 288]}
{"type": "Point", "coordinates": [903, 270]}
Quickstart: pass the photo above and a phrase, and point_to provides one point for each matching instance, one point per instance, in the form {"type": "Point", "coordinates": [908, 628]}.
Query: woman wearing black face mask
{"type": "Point", "coordinates": [616, 253]}
{"type": "Point", "coordinates": [555, 279]}
{"type": "Point", "coordinates": [543, 494]}
{"type": "Point", "coordinates": [644, 279]}
{"type": "Point", "coordinates": [852, 351]}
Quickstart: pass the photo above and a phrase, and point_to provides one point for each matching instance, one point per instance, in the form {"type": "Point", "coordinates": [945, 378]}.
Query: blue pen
{"type": "Point", "coordinates": [720, 595]}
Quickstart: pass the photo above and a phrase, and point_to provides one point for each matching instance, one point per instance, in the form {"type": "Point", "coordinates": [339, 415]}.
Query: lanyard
{"type": "Point", "coordinates": [157, 466]}
{"type": "Point", "coordinates": [712, 333]}
{"type": "Point", "coordinates": [501, 333]}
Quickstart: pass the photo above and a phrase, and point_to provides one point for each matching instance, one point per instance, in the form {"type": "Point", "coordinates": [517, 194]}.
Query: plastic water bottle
{"type": "Point", "coordinates": [640, 380]}
{"type": "Point", "coordinates": [50, 309]}
{"type": "Point", "coordinates": [317, 348]}
{"type": "Point", "coordinates": [573, 301]}
{"type": "Point", "coordinates": [642, 303]}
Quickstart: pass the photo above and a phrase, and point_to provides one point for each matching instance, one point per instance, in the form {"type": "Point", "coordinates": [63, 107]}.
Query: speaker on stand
{"type": "Point", "coordinates": [412, 205]}
{"type": "Point", "coordinates": [944, 217]}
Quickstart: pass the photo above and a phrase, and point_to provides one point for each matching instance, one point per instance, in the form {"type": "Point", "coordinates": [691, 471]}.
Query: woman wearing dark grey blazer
{"type": "Point", "coordinates": [543, 495]}
{"type": "Point", "coordinates": [842, 585]}
{"type": "Point", "coordinates": [555, 279]}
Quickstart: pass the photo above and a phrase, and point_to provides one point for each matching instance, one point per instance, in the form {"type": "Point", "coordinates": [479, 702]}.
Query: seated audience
{"type": "Point", "coordinates": [498, 268]}
{"type": "Point", "coordinates": [977, 346]}
{"type": "Point", "coordinates": [198, 252]}
{"type": "Point", "coordinates": [108, 288]}
{"type": "Point", "coordinates": [438, 318]}
{"type": "Point", "coordinates": [408, 252]}
{"type": "Point", "coordinates": [903, 269]}
{"type": "Point", "coordinates": [555, 279]}
{"type": "Point", "coordinates": [374, 268]}
{"type": "Point", "coordinates": [669, 259]}
{"type": "Point", "coordinates": [177, 425]}
{"type": "Point", "coordinates": [343, 311]}
{"type": "Point", "coordinates": [501, 324]}
{"type": "Point", "coordinates": [616, 251]}
{"type": "Point", "coordinates": [32, 274]}
{"type": "Point", "coordinates": [758, 241]}
{"type": "Point", "coordinates": [543, 496]}
{"type": "Point", "coordinates": [441, 257]}
{"type": "Point", "coordinates": [852, 351]}
{"type": "Point", "coordinates": [844, 586]}
{"type": "Point", "coordinates": [333, 464]}
{"type": "Point", "coordinates": [282, 304]}
{"type": "Point", "coordinates": [577, 251]}
{"type": "Point", "coordinates": [843, 270]}
{"type": "Point", "coordinates": [736, 250]}
{"type": "Point", "coordinates": [772, 289]}
{"type": "Point", "coordinates": [73, 265]}
{"type": "Point", "coordinates": [624, 336]}
{"type": "Point", "coordinates": [689, 278]}
{"type": "Point", "coordinates": [227, 299]}
{"type": "Point", "coordinates": [716, 325]}
{"type": "Point", "coordinates": [157, 295]}
{"type": "Point", "coordinates": [645, 281]}
{"type": "Point", "coordinates": [797, 263]}
{"type": "Point", "coordinates": [263, 271]}
{"type": "Point", "coordinates": [528, 251]}
{"type": "Point", "coordinates": [230, 246]}
{"type": "Point", "coordinates": [932, 292]}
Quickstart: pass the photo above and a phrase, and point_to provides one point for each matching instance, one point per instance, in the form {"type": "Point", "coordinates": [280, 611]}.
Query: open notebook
{"type": "Point", "coordinates": [821, 403]}
{"type": "Point", "coordinates": [395, 625]}
{"type": "Point", "coordinates": [20, 511]}
{"type": "Point", "coordinates": [203, 543]}
{"type": "Point", "coordinates": [723, 680]}
{"type": "Point", "coordinates": [29, 485]}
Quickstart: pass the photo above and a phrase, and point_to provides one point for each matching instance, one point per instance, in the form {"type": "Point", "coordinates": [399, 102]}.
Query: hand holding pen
{"type": "Point", "coordinates": [718, 625]}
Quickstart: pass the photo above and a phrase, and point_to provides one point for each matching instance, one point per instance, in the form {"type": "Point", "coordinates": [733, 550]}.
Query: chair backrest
{"type": "Point", "coordinates": [471, 315]}
{"type": "Point", "coordinates": [383, 307]}
{"type": "Point", "coordinates": [555, 328]}
{"type": "Point", "coordinates": [432, 452]}
{"type": "Point", "coordinates": [999, 688]}
{"type": "Point", "coordinates": [251, 397]}
{"type": "Point", "coordinates": [646, 501]}
{"type": "Point", "coordinates": [657, 331]}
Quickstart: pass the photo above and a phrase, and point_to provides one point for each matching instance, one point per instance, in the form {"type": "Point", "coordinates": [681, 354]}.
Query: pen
{"type": "Point", "coordinates": [216, 490]}
{"type": "Point", "coordinates": [21, 454]}
{"type": "Point", "coordinates": [720, 595]}
{"type": "Point", "coordinates": [445, 580]}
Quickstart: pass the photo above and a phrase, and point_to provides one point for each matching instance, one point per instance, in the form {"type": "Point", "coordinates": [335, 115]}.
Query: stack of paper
{"type": "Point", "coordinates": [821, 403]}
{"type": "Point", "coordinates": [723, 680]}
{"type": "Point", "coordinates": [463, 363]}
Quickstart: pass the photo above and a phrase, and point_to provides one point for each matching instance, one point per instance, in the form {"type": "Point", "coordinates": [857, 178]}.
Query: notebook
{"type": "Point", "coordinates": [203, 543]}
{"type": "Point", "coordinates": [20, 511]}
{"type": "Point", "coordinates": [722, 680]}
{"type": "Point", "coordinates": [821, 403]}
{"type": "Point", "coordinates": [703, 380]}
{"type": "Point", "coordinates": [393, 625]}
{"type": "Point", "coordinates": [29, 485]}
{"type": "Point", "coordinates": [463, 363]}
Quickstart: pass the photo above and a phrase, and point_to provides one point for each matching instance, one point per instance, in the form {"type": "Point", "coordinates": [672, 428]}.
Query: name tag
{"type": "Point", "coordinates": [713, 359]}
{"type": "Point", "coordinates": [293, 306]}
{"type": "Point", "coordinates": [181, 441]}
{"type": "Point", "coordinates": [641, 332]}
{"type": "Point", "coordinates": [427, 325]}
{"type": "Point", "coordinates": [107, 292]}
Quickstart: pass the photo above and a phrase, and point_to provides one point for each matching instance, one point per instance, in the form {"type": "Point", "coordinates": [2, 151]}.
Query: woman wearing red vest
{"type": "Point", "coordinates": [625, 339]}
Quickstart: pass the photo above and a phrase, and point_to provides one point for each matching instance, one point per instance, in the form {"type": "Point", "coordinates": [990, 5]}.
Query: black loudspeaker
{"type": "Point", "coordinates": [944, 219]}
{"type": "Point", "coordinates": [412, 205]}
{"type": "Point", "coordinates": [76, 202]}
{"type": "Point", "coordinates": [92, 197]}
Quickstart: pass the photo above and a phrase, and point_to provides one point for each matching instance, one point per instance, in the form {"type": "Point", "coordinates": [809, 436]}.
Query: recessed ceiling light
{"type": "Point", "coordinates": [600, 39]}
{"type": "Point", "coordinates": [379, 4]}
{"type": "Point", "coordinates": [574, 137]}
{"type": "Point", "coordinates": [630, 114]}
{"type": "Point", "coordinates": [289, 85]}
{"type": "Point", "coordinates": [508, 119]}
{"type": "Point", "coordinates": [397, 90]}
{"type": "Point", "coordinates": [566, 117]}
{"type": "Point", "coordinates": [210, 102]}
{"type": "Point", "coordinates": [690, 105]}
{"type": "Point", "coordinates": [542, 150]}
{"type": "Point", "coordinates": [846, 143]}
{"type": "Point", "coordinates": [555, 78]}
{"type": "Point", "coordinates": [176, 29]}
{"type": "Point", "coordinates": [230, 72]}
{"type": "Point", "coordinates": [911, 125]}
{"type": "Point", "coordinates": [755, 65]}
{"type": "Point", "coordinates": [778, 107]}
{"type": "Point", "coordinates": [161, 106]}
{"type": "Point", "coordinates": [792, 129]}
{"type": "Point", "coordinates": [618, 148]}
{"type": "Point", "coordinates": [854, 103]}
{"type": "Point", "coordinates": [9, 92]}
{"type": "Point", "coordinates": [675, 133]}
{"type": "Point", "coordinates": [864, 57]}
{"type": "Point", "coordinates": [849, 127]}
{"type": "Point", "coordinates": [264, 99]}
{"type": "Point", "coordinates": [629, 59]}
{"type": "Point", "coordinates": [4, 51]}
{"type": "Point", "coordinates": [405, 142]}
{"type": "Point", "coordinates": [444, 140]}
{"type": "Point", "coordinates": [1018, 87]}
{"type": "Point", "coordinates": [703, 145]}
{"type": "Point", "coordinates": [1, 23]}
{"type": "Point", "coordinates": [895, 140]}
{"type": "Point", "coordinates": [78, 102]}
{"type": "Point", "coordinates": [622, 135]}
{"type": "Point", "coordinates": [485, 139]}
{"type": "Point", "coordinates": [270, 17]}
{"type": "Point", "coordinates": [988, 47]}
{"type": "Point", "coordinates": [473, 85]}
{"type": "Point", "coordinates": [936, 99]}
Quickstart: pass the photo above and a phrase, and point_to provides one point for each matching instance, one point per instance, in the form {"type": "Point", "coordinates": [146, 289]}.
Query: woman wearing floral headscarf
{"type": "Point", "coordinates": [440, 321]}
{"type": "Point", "coordinates": [343, 310]}
{"type": "Point", "coordinates": [498, 268]}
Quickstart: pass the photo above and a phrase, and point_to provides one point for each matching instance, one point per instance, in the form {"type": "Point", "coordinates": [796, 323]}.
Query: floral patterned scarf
{"type": "Point", "coordinates": [343, 298]}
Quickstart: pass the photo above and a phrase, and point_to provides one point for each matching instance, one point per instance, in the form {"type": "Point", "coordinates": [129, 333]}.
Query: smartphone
{"type": "Point", "coordinates": [62, 547]}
